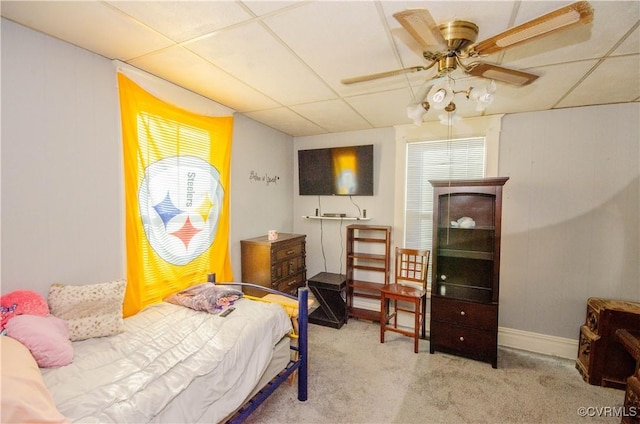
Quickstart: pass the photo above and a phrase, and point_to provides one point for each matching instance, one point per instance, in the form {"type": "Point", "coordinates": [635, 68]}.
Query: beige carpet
{"type": "Point", "coordinates": [353, 378]}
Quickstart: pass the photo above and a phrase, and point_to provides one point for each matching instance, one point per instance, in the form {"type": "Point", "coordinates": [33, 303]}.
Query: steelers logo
{"type": "Point", "coordinates": [180, 201]}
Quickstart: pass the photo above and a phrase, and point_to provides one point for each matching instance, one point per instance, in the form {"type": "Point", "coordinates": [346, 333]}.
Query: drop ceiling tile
{"type": "Point", "coordinates": [183, 20]}
{"type": "Point", "coordinates": [261, 8]}
{"type": "Point", "coordinates": [333, 115]}
{"type": "Point", "coordinates": [629, 46]}
{"type": "Point", "coordinates": [337, 39]}
{"type": "Point", "coordinates": [94, 26]}
{"type": "Point", "coordinates": [287, 121]}
{"type": "Point", "coordinates": [253, 55]}
{"type": "Point", "coordinates": [603, 85]}
{"type": "Point", "coordinates": [383, 109]}
{"type": "Point", "coordinates": [200, 76]}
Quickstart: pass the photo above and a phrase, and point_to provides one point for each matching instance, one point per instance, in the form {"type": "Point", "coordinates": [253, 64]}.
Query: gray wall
{"type": "Point", "coordinates": [61, 170]}
{"type": "Point", "coordinates": [61, 164]}
{"type": "Point", "coordinates": [571, 214]}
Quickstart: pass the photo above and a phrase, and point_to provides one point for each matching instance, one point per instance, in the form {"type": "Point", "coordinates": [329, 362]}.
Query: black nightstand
{"type": "Point", "coordinates": [328, 289]}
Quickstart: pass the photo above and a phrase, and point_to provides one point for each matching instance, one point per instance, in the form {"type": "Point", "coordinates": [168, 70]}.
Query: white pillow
{"type": "Point", "coordinates": [93, 310]}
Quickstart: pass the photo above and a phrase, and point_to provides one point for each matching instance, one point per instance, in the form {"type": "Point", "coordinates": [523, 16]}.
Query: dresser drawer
{"type": "Point", "coordinates": [459, 312]}
{"type": "Point", "coordinates": [291, 284]}
{"type": "Point", "coordinates": [287, 250]}
{"type": "Point", "coordinates": [467, 340]}
{"type": "Point", "coordinates": [287, 268]}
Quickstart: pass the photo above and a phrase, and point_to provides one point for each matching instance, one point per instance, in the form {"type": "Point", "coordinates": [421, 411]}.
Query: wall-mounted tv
{"type": "Point", "coordinates": [336, 171]}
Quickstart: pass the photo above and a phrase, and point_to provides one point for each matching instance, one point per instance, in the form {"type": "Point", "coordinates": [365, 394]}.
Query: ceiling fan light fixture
{"type": "Point", "coordinates": [451, 107]}
{"type": "Point", "coordinates": [440, 97]}
{"type": "Point", "coordinates": [484, 97]}
{"type": "Point", "coordinates": [449, 118]}
{"type": "Point", "coordinates": [416, 112]}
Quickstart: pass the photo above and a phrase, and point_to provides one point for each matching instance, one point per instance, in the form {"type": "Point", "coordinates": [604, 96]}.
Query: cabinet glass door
{"type": "Point", "coordinates": [465, 246]}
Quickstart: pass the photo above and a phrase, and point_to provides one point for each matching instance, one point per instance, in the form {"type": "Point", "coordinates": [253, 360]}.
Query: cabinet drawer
{"type": "Point", "coordinates": [459, 312]}
{"type": "Point", "coordinates": [291, 284]}
{"type": "Point", "coordinates": [466, 340]}
{"type": "Point", "coordinates": [287, 268]}
{"type": "Point", "coordinates": [288, 250]}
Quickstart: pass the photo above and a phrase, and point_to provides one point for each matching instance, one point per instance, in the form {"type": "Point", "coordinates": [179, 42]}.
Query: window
{"type": "Point", "coordinates": [435, 160]}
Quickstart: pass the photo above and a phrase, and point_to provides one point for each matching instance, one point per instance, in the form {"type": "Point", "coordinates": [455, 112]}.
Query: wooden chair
{"type": "Point", "coordinates": [410, 286]}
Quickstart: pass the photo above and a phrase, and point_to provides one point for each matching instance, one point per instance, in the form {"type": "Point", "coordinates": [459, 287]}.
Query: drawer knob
{"type": "Point", "coordinates": [290, 252]}
{"type": "Point", "coordinates": [462, 313]}
{"type": "Point", "coordinates": [461, 338]}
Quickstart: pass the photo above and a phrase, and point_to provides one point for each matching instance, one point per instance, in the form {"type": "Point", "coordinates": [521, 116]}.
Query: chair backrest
{"type": "Point", "coordinates": [412, 266]}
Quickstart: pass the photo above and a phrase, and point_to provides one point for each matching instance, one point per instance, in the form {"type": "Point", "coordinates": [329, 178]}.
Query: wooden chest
{"type": "Point", "coordinates": [602, 360]}
{"type": "Point", "coordinates": [631, 342]}
{"type": "Point", "coordinates": [278, 264]}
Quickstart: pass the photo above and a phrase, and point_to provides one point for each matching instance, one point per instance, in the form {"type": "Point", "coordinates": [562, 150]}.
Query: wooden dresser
{"type": "Point", "coordinates": [279, 264]}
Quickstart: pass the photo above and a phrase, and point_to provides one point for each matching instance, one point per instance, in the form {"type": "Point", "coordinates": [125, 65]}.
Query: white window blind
{"type": "Point", "coordinates": [435, 160]}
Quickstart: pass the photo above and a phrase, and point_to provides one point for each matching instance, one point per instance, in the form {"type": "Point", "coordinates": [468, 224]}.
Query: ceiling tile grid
{"type": "Point", "coordinates": [281, 62]}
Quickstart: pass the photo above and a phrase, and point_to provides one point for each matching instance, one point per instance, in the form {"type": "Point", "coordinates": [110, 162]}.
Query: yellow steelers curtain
{"type": "Point", "coordinates": [176, 175]}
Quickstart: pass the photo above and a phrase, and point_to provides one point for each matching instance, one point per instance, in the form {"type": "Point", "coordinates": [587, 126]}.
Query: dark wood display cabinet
{"type": "Point", "coordinates": [466, 267]}
{"type": "Point", "coordinates": [278, 264]}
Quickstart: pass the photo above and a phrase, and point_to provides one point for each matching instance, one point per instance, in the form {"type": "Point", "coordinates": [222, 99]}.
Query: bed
{"type": "Point", "coordinates": [175, 364]}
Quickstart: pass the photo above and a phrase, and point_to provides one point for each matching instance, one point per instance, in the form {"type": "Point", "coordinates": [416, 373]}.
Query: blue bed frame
{"type": "Point", "coordinates": [299, 364]}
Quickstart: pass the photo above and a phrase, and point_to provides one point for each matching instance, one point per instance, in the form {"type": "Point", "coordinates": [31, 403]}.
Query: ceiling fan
{"type": "Point", "coordinates": [448, 44]}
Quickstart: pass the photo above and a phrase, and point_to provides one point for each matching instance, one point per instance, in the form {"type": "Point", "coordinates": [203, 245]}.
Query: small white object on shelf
{"type": "Point", "coordinates": [466, 222]}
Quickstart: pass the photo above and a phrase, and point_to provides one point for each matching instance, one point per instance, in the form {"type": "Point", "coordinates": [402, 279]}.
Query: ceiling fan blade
{"type": "Point", "coordinates": [422, 27]}
{"type": "Point", "coordinates": [499, 73]}
{"type": "Point", "coordinates": [577, 13]}
{"type": "Point", "coordinates": [379, 75]}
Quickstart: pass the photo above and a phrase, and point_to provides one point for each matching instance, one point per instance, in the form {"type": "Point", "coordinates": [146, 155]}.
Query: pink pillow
{"type": "Point", "coordinates": [46, 337]}
{"type": "Point", "coordinates": [21, 302]}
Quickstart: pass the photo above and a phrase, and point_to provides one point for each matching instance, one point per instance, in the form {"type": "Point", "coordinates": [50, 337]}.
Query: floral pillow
{"type": "Point", "coordinates": [93, 310]}
{"type": "Point", "coordinates": [205, 297]}
{"type": "Point", "coordinates": [22, 302]}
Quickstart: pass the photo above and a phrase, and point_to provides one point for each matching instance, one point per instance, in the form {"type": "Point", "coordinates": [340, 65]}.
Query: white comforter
{"type": "Point", "coordinates": [140, 375]}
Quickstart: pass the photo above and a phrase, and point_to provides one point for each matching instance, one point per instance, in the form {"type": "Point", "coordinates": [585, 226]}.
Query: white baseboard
{"type": "Point", "coordinates": [507, 337]}
{"type": "Point", "coordinates": [539, 343]}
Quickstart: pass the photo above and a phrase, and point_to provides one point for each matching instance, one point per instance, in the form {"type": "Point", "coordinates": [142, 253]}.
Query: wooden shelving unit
{"type": "Point", "coordinates": [368, 265]}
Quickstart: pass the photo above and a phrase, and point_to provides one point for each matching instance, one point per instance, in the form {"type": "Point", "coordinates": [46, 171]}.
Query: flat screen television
{"type": "Point", "coordinates": [336, 171]}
